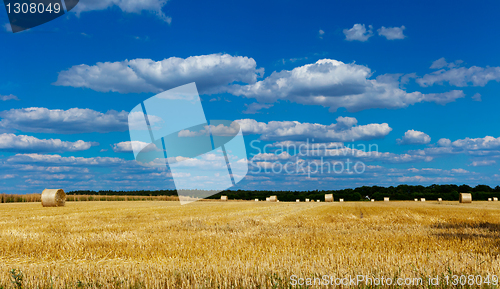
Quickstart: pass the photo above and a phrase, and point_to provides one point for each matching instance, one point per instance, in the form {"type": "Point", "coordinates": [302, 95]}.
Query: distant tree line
{"type": "Point", "coordinates": [401, 192]}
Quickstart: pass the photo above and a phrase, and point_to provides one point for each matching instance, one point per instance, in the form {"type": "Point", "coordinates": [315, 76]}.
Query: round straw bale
{"type": "Point", "coordinates": [373, 200]}
{"type": "Point", "coordinates": [53, 198]}
{"type": "Point", "coordinates": [386, 199]}
{"type": "Point", "coordinates": [495, 199]}
{"type": "Point", "coordinates": [328, 197]}
{"type": "Point", "coordinates": [440, 200]}
{"type": "Point", "coordinates": [307, 200]}
{"type": "Point", "coordinates": [341, 200]}
{"type": "Point", "coordinates": [318, 201]}
{"type": "Point", "coordinates": [273, 198]}
{"type": "Point", "coordinates": [297, 200]}
{"type": "Point", "coordinates": [465, 198]}
{"type": "Point", "coordinates": [422, 199]}
{"type": "Point", "coordinates": [223, 198]}
{"type": "Point", "coordinates": [416, 200]}
{"type": "Point", "coordinates": [267, 199]}
{"type": "Point", "coordinates": [490, 199]}
{"type": "Point", "coordinates": [256, 200]}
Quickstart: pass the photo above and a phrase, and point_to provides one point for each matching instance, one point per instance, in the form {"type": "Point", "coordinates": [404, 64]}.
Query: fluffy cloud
{"type": "Point", "coordinates": [477, 97]}
{"type": "Point", "coordinates": [483, 163]}
{"type": "Point", "coordinates": [392, 33]}
{"type": "Point", "coordinates": [358, 32]}
{"type": "Point", "coordinates": [414, 137]}
{"type": "Point", "coordinates": [335, 84]}
{"type": "Point", "coordinates": [254, 108]}
{"type": "Point", "coordinates": [441, 62]}
{"type": "Point", "coordinates": [486, 143]}
{"type": "Point", "coordinates": [75, 120]}
{"type": "Point", "coordinates": [459, 76]}
{"type": "Point", "coordinates": [24, 143]}
{"type": "Point", "coordinates": [8, 97]}
{"type": "Point", "coordinates": [321, 33]}
{"type": "Point", "coordinates": [346, 129]}
{"type": "Point", "coordinates": [48, 160]}
{"type": "Point", "coordinates": [480, 148]}
{"type": "Point", "coordinates": [210, 72]}
{"type": "Point", "coordinates": [38, 171]}
{"type": "Point", "coordinates": [131, 146]}
{"type": "Point", "coordinates": [332, 152]}
{"type": "Point", "coordinates": [128, 6]}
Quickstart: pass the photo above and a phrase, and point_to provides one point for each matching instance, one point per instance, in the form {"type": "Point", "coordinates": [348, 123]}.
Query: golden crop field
{"type": "Point", "coordinates": [159, 244]}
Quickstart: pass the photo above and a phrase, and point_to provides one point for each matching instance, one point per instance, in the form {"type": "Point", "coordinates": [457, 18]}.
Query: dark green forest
{"type": "Point", "coordinates": [401, 192]}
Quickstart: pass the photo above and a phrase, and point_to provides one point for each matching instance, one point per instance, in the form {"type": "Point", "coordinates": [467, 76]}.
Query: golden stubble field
{"type": "Point", "coordinates": [159, 244]}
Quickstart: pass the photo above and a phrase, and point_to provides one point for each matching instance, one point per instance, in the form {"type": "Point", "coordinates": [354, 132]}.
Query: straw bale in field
{"type": "Point", "coordinates": [386, 199]}
{"type": "Point", "coordinates": [256, 200]}
{"type": "Point", "coordinates": [416, 200]}
{"type": "Point", "coordinates": [341, 200]}
{"type": "Point", "coordinates": [465, 198]}
{"type": "Point", "coordinates": [273, 198]}
{"type": "Point", "coordinates": [440, 200]}
{"type": "Point", "coordinates": [490, 199]}
{"type": "Point", "coordinates": [307, 200]}
{"type": "Point", "coordinates": [53, 198]}
{"type": "Point", "coordinates": [328, 197]}
{"type": "Point", "coordinates": [373, 200]}
{"type": "Point", "coordinates": [223, 198]}
{"type": "Point", "coordinates": [495, 199]}
{"type": "Point", "coordinates": [318, 201]}
{"type": "Point", "coordinates": [267, 199]}
{"type": "Point", "coordinates": [422, 199]}
{"type": "Point", "coordinates": [297, 200]}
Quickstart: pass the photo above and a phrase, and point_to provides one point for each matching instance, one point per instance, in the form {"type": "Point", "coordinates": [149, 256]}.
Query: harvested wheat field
{"type": "Point", "coordinates": [152, 244]}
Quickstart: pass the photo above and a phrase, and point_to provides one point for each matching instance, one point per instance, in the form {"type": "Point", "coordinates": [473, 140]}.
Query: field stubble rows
{"type": "Point", "coordinates": [242, 244]}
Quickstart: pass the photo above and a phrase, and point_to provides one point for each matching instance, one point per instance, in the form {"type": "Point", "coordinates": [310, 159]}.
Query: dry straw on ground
{"type": "Point", "coordinates": [53, 198]}
{"type": "Point", "coordinates": [164, 245]}
{"type": "Point", "coordinates": [465, 198]}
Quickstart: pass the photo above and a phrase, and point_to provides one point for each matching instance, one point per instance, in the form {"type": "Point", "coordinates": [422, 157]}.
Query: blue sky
{"type": "Point", "coordinates": [419, 80]}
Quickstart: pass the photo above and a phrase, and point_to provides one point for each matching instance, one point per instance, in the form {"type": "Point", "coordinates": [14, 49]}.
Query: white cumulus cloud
{"type": "Point", "coordinates": [483, 163]}
{"type": "Point", "coordinates": [358, 33]}
{"type": "Point", "coordinates": [414, 137]}
{"type": "Point", "coordinates": [459, 76]}
{"type": "Point", "coordinates": [131, 146]}
{"type": "Point", "coordinates": [210, 72]}
{"type": "Point", "coordinates": [392, 33]}
{"type": "Point", "coordinates": [346, 129]}
{"type": "Point", "coordinates": [24, 143]}
{"type": "Point", "coordinates": [128, 6]}
{"type": "Point", "coordinates": [74, 120]}
{"type": "Point", "coordinates": [8, 97]}
{"type": "Point", "coordinates": [334, 84]}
